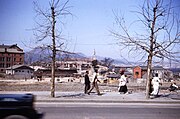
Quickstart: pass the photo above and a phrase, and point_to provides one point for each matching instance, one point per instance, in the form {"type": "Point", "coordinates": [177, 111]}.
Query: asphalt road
{"type": "Point", "coordinates": [108, 111]}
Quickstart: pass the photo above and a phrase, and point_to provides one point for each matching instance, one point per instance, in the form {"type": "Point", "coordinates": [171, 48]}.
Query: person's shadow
{"type": "Point", "coordinates": [160, 96]}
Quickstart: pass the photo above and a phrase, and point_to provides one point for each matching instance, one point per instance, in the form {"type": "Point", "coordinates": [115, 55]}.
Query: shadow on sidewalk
{"type": "Point", "coordinates": [78, 95]}
{"type": "Point", "coordinates": [71, 95]}
{"type": "Point", "coordinates": [167, 96]}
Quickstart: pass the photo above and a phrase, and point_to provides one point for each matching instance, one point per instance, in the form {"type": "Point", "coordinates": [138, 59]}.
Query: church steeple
{"type": "Point", "coordinates": [94, 60]}
{"type": "Point", "coordinates": [94, 55]}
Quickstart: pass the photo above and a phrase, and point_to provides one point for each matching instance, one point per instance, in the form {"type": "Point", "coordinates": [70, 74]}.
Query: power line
{"type": "Point", "coordinates": [95, 43]}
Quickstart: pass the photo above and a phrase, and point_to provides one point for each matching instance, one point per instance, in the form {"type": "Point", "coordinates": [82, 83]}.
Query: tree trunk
{"type": "Point", "coordinates": [150, 56]}
{"type": "Point", "coordinates": [54, 54]}
{"type": "Point", "coordinates": [148, 80]}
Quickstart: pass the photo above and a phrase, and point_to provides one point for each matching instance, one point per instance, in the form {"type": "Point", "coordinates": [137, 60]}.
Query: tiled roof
{"type": "Point", "coordinates": [19, 66]}
{"type": "Point", "coordinates": [14, 66]}
{"type": "Point", "coordinates": [10, 49]}
{"type": "Point", "coordinates": [8, 46]}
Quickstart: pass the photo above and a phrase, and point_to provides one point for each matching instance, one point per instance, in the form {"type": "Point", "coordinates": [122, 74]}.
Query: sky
{"type": "Point", "coordinates": [87, 30]}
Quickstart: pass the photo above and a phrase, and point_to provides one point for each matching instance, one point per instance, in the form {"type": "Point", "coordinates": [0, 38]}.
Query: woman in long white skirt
{"type": "Point", "coordinates": [156, 84]}
{"type": "Point", "coordinates": [122, 83]}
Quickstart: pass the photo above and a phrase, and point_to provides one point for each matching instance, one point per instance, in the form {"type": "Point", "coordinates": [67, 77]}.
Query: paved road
{"type": "Point", "coordinates": [108, 111]}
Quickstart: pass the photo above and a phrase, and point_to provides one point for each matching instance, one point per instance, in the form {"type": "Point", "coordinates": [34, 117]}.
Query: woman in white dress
{"type": "Point", "coordinates": [122, 83]}
{"type": "Point", "coordinates": [156, 83]}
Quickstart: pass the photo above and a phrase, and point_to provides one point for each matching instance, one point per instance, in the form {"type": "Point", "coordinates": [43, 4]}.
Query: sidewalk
{"type": "Point", "coordinates": [106, 97]}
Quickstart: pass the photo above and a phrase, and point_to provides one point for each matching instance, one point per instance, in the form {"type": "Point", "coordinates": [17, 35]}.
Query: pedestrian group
{"type": "Point", "coordinates": [122, 88]}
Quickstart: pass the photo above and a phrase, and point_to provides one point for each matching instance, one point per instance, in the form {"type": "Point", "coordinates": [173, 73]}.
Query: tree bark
{"type": "Point", "coordinates": [148, 81]}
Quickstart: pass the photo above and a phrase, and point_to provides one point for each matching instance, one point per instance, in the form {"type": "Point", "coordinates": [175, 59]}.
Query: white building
{"type": "Point", "coordinates": [20, 71]}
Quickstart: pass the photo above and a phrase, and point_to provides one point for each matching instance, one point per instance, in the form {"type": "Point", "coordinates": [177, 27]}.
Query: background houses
{"type": "Point", "coordinates": [68, 68]}
{"type": "Point", "coordinates": [140, 72]}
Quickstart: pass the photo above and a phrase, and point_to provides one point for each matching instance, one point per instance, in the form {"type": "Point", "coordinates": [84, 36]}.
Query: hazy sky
{"type": "Point", "coordinates": [87, 30]}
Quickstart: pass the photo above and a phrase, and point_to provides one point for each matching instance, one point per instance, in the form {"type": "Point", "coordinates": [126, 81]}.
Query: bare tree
{"type": "Point", "coordinates": [47, 29]}
{"type": "Point", "coordinates": [107, 62]}
{"type": "Point", "coordinates": [161, 38]}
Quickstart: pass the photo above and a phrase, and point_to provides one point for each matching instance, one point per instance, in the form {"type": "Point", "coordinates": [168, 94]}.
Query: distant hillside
{"type": "Point", "coordinates": [40, 54]}
{"type": "Point", "coordinates": [44, 54]}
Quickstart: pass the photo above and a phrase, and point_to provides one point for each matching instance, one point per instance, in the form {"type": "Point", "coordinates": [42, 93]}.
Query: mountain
{"type": "Point", "coordinates": [43, 54]}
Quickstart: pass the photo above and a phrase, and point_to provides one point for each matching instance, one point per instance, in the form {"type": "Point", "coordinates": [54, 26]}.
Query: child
{"type": "Point", "coordinates": [173, 87]}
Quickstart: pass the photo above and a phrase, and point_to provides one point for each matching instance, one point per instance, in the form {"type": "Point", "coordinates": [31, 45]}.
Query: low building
{"type": "Point", "coordinates": [45, 74]}
{"type": "Point", "coordinates": [20, 72]}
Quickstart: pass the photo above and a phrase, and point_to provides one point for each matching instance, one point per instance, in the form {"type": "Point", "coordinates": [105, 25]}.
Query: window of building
{"type": "Point", "coordinates": [2, 59]}
{"type": "Point", "coordinates": [8, 65]}
{"type": "Point", "coordinates": [8, 59]}
{"type": "Point", "coordinates": [2, 65]}
{"type": "Point", "coordinates": [14, 59]}
{"type": "Point", "coordinates": [137, 73]}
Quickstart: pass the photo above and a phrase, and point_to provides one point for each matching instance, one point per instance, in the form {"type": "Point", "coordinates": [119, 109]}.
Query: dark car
{"type": "Point", "coordinates": [18, 106]}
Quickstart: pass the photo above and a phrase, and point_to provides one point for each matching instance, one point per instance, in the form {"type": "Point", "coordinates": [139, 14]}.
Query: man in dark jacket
{"type": "Point", "coordinates": [87, 82]}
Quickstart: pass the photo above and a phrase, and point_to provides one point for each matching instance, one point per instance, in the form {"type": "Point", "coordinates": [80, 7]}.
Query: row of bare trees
{"type": "Point", "coordinates": [157, 16]}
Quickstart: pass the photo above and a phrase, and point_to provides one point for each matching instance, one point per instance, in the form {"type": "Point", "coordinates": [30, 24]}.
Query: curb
{"type": "Point", "coordinates": [108, 101]}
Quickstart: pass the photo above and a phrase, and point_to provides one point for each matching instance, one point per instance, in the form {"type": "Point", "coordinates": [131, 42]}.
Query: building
{"type": "Point", "coordinates": [80, 65]}
{"type": "Point", "coordinates": [20, 72]}
{"type": "Point", "coordinates": [176, 73]}
{"type": "Point", "coordinates": [140, 72]}
{"type": "Point", "coordinates": [10, 55]}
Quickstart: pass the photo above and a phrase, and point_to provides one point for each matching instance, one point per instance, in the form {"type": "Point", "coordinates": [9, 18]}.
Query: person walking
{"type": "Point", "coordinates": [94, 83]}
{"type": "Point", "coordinates": [86, 82]}
{"type": "Point", "coordinates": [122, 83]}
{"type": "Point", "coordinates": [156, 83]}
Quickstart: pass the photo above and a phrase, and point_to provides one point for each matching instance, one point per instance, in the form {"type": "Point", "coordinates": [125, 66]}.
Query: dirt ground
{"type": "Point", "coordinates": [32, 85]}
